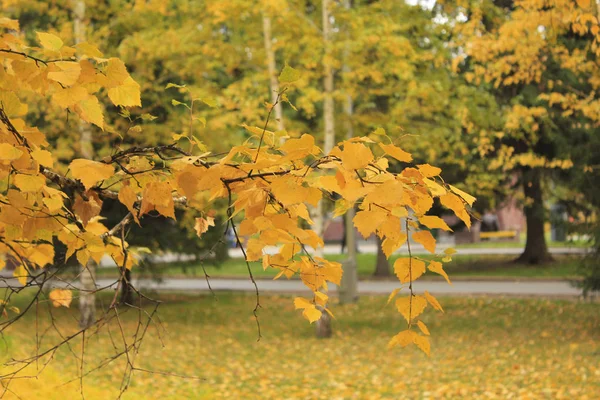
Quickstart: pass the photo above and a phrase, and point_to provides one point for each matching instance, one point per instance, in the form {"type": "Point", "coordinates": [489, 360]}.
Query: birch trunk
{"type": "Point", "coordinates": [87, 277]}
{"type": "Point", "coordinates": [272, 69]}
{"type": "Point", "coordinates": [349, 286]}
{"type": "Point", "coordinates": [323, 325]}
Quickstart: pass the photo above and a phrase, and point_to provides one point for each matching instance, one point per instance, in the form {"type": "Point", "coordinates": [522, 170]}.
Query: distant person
{"type": "Point", "coordinates": [230, 238]}
{"type": "Point", "coordinates": [489, 222]}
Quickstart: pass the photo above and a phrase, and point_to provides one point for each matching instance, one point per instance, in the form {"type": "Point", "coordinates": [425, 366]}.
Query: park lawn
{"type": "Point", "coordinates": [481, 348]}
{"type": "Point", "coordinates": [467, 266]}
{"type": "Point", "coordinates": [514, 244]}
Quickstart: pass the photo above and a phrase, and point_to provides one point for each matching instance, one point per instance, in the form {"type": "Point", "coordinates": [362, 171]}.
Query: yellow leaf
{"type": "Point", "coordinates": [411, 309]}
{"type": "Point", "coordinates": [433, 222]}
{"type": "Point", "coordinates": [9, 23]}
{"type": "Point", "coordinates": [396, 152]}
{"type": "Point", "coordinates": [393, 294]}
{"type": "Point", "coordinates": [90, 110]}
{"type": "Point", "coordinates": [585, 4]}
{"type": "Point", "coordinates": [11, 104]}
{"type": "Point", "coordinates": [89, 50]}
{"type": "Point", "coordinates": [321, 298]}
{"type": "Point", "coordinates": [433, 301]}
{"type": "Point", "coordinates": [438, 268]}
{"type": "Point", "coordinates": [90, 172]}
{"type": "Point", "coordinates": [289, 190]}
{"type": "Point", "coordinates": [428, 171]}
{"type": "Point", "coordinates": [67, 74]}
{"type": "Point", "coordinates": [70, 96]}
{"type": "Point", "coordinates": [310, 311]}
{"type": "Point", "coordinates": [9, 152]}
{"type": "Point", "coordinates": [128, 197]}
{"type": "Point", "coordinates": [158, 196]}
{"type": "Point", "coordinates": [454, 203]}
{"type": "Point", "coordinates": [202, 225]}
{"type": "Point", "coordinates": [43, 157]}
{"type": "Point", "coordinates": [116, 72]}
{"type": "Point", "coordinates": [423, 328]}
{"type": "Point", "coordinates": [341, 206]}
{"type": "Point", "coordinates": [391, 244]}
{"type": "Point", "coordinates": [21, 274]}
{"type": "Point", "coordinates": [402, 339]}
{"type": "Point", "coordinates": [301, 147]}
{"type": "Point", "coordinates": [83, 256]}
{"type": "Point", "coordinates": [435, 188]}
{"type": "Point", "coordinates": [426, 239]}
{"type": "Point", "coordinates": [53, 203]}
{"type": "Point", "coordinates": [288, 74]}
{"type": "Point", "coordinates": [126, 94]}
{"type": "Point", "coordinates": [379, 131]}
{"type": "Point", "coordinates": [312, 314]}
{"type": "Point", "coordinates": [465, 196]}
{"type": "Point", "coordinates": [86, 210]}
{"type": "Point", "coordinates": [408, 269]}
{"type": "Point", "coordinates": [61, 297]}
{"type": "Point", "coordinates": [367, 221]}
{"type": "Point", "coordinates": [449, 251]}
{"type": "Point", "coordinates": [49, 41]}
{"type": "Point", "coordinates": [421, 202]}
{"type": "Point", "coordinates": [29, 183]}
{"type": "Point", "coordinates": [355, 156]}
{"type": "Point", "coordinates": [40, 254]}
{"type": "Point", "coordinates": [422, 343]}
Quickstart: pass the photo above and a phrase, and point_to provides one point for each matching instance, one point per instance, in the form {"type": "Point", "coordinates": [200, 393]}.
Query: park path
{"type": "Point", "coordinates": [371, 248]}
{"type": "Point", "coordinates": [542, 288]}
{"type": "Point", "coordinates": [475, 287]}
{"type": "Point", "coordinates": [491, 287]}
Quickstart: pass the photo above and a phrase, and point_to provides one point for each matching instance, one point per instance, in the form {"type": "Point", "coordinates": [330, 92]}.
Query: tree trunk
{"type": "Point", "coordinates": [349, 285]}
{"type": "Point", "coordinates": [328, 104]}
{"type": "Point", "coordinates": [274, 83]}
{"type": "Point", "coordinates": [536, 249]}
{"type": "Point", "coordinates": [87, 296]}
{"type": "Point", "coordinates": [348, 292]}
{"type": "Point", "coordinates": [87, 279]}
{"type": "Point", "coordinates": [126, 289]}
{"type": "Point", "coordinates": [382, 266]}
{"type": "Point", "coordinates": [324, 323]}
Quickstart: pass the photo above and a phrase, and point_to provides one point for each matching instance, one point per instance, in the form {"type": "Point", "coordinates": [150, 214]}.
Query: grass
{"type": "Point", "coordinates": [481, 348]}
{"type": "Point", "coordinates": [510, 244]}
{"type": "Point", "coordinates": [467, 266]}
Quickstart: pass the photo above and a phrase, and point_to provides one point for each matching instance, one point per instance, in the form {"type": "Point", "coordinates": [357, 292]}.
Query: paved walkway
{"type": "Point", "coordinates": [524, 288]}
{"type": "Point", "coordinates": [371, 248]}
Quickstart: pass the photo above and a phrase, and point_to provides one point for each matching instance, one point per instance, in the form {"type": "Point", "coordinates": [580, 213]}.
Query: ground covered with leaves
{"type": "Point", "coordinates": [481, 348]}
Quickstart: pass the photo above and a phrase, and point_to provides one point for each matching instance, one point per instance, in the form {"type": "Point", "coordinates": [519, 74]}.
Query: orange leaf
{"type": "Point", "coordinates": [202, 225]}
{"type": "Point", "coordinates": [61, 297]}
{"type": "Point", "coordinates": [367, 221]}
{"type": "Point", "coordinates": [396, 152]}
{"type": "Point", "coordinates": [438, 268]}
{"type": "Point", "coordinates": [408, 269]}
{"type": "Point", "coordinates": [356, 156]}
{"type": "Point", "coordinates": [426, 239]}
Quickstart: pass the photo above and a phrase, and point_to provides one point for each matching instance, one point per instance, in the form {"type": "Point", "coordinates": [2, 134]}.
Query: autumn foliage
{"type": "Point", "coordinates": [269, 181]}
